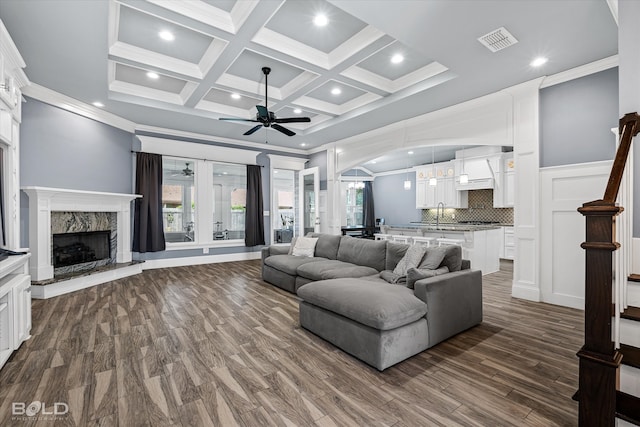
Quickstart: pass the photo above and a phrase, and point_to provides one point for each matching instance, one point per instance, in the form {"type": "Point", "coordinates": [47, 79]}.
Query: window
{"type": "Point", "coordinates": [284, 202]}
{"type": "Point", "coordinates": [178, 199]}
{"type": "Point", "coordinates": [354, 203]}
{"type": "Point", "coordinates": [229, 200]}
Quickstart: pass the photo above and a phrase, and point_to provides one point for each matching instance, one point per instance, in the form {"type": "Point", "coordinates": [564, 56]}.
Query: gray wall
{"type": "Point", "coordinates": [629, 54]}
{"type": "Point", "coordinates": [576, 118]}
{"type": "Point", "coordinates": [320, 160]}
{"type": "Point", "coordinates": [61, 149]}
{"type": "Point", "coordinates": [64, 150]}
{"type": "Point", "coordinates": [392, 202]}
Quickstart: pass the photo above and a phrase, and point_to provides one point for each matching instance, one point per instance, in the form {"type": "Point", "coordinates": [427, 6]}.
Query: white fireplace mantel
{"type": "Point", "coordinates": [44, 200]}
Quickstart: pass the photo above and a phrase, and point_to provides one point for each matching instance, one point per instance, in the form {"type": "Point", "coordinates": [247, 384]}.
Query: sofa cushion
{"type": "Point", "coordinates": [433, 258]}
{"type": "Point", "coordinates": [395, 252]}
{"type": "Point", "coordinates": [327, 246]}
{"type": "Point", "coordinates": [370, 253]}
{"type": "Point", "coordinates": [290, 263]}
{"type": "Point", "coordinates": [381, 306]}
{"type": "Point", "coordinates": [411, 259]}
{"type": "Point", "coordinates": [305, 246]}
{"type": "Point", "coordinates": [452, 258]}
{"type": "Point", "coordinates": [333, 269]}
{"type": "Point", "coordinates": [415, 274]}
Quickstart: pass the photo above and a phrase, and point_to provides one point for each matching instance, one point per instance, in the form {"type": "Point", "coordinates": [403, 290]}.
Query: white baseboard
{"type": "Point", "coordinates": [525, 291]}
{"type": "Point", "coordinates": [78, 283]}
{"type": "Point", "coordinates": [197, 260]}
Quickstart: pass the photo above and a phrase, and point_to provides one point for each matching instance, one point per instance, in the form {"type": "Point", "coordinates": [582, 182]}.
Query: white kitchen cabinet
{"type": "Point", "coordinates": [509, 243]}
{"type": "Point", "coordinates": [428, 196]}
{"type": "Point", "coordinates": [504, 191]}
{"type": "Point", "coordinates": [15, 304]}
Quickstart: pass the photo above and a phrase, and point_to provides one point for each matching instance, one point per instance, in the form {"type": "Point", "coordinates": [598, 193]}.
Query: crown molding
{"type": "Point", "coordinates": [67, 103]}
{"type": "Point", "coordinates": [217, 139]}
{"type": "Point", "coordinates": [581, 71]}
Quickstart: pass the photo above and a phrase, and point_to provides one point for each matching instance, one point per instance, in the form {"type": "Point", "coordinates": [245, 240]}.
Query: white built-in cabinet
{"type": "Point", "coordinates": [504, 190]}
{"type": "Point", "coordinates": [507, 243]}
{"type": "Point", "coordinates": [429, 196]}
{"type": "Point", "coordinates": [15, 282]}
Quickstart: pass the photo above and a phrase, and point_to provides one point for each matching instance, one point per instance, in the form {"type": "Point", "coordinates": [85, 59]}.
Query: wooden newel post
{"type": "Point", "coordinates": [599, 360]}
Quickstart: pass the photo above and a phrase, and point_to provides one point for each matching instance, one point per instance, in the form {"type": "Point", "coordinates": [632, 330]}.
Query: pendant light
{"type": "Point", "coordinates": [433, 181]}
{"type": "Point", "coordinates": [464, 178]}
{"type": "Point", "coordinates": [407, 182]}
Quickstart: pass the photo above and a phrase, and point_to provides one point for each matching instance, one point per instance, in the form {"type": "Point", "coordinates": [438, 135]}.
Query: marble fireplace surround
{"type": "Point", "coordinates": [43, 201]}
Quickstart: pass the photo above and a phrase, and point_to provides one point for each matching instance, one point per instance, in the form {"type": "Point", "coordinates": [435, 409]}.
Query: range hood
{"type": "Point", "coordinates": [476, 184]}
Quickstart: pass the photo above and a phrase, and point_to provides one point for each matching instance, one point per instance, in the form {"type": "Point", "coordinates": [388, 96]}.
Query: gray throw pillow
{"type": "Point", "coordinates": [293, 244]}
{"type": "Point", "coordinates": [392, 277]}
{"type": "Point", "coordinates": [411, 258]}
{"type": "Point", "coordinates": [415, 274]}
{"type": "Point", "coordinates": [434, 258]}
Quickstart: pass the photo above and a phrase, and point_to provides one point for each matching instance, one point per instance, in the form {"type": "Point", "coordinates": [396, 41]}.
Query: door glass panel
{"type": "Point", "coordinates": [309, 206]}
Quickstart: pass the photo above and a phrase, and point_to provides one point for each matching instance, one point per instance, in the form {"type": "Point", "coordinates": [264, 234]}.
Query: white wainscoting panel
{"type": "Point", "coordinates": [563, 189]}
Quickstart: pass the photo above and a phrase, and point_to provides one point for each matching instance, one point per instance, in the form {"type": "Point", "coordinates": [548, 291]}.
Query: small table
{"type": "Point", "coordinates": [360, 231]}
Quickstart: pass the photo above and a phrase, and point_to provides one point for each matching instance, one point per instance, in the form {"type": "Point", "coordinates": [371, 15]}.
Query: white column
{"type": "Point", "coordinates": [526, 150]}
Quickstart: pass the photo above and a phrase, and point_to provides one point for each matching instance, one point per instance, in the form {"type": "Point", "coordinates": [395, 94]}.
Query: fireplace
{"type": "Point", "coordinates": [75, 249]}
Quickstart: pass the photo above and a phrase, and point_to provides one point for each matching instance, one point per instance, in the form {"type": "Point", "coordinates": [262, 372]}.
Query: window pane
{"type": "Point", "coordinates": [229, 200]}
{"type": "Point", "coordinates": [178, 199]}
{"type": "Point", "coordinates": [354, 204]}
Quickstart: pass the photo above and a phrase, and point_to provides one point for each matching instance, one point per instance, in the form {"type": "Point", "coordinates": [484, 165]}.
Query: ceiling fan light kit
{"type": "Point", "coordinates": [267, 118]}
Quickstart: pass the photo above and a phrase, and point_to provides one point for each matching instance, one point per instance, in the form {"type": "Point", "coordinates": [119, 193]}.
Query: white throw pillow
{"type": "Point", "coordinates": [305, 246]}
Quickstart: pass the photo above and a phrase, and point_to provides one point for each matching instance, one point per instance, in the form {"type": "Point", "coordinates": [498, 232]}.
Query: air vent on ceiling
{"type": "Point", "coordinates": [498, 39]}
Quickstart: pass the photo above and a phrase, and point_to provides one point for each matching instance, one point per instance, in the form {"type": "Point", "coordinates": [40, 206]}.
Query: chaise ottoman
{"type": "Point", "coordinates": [377, 322]}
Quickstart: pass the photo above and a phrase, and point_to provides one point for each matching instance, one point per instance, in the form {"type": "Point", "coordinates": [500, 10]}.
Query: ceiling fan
{"type": "Point", "coordinates": [268, 119]}
{"type": "Point", "coordinates": [184, 172]}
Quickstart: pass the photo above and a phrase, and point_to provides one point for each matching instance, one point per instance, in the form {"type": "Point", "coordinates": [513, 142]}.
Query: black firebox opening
{"type": "Point", "coordinates": [78, 248]}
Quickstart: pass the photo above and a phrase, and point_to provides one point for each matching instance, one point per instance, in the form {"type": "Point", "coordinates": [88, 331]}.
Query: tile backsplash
{"type": "Point", "coordinates": [480, 209]}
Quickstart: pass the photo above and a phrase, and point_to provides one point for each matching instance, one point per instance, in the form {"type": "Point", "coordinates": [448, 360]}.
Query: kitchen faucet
{"type": "Point", "coordinates": [438, 214]}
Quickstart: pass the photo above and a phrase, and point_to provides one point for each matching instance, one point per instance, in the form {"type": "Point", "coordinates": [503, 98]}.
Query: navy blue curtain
{"type": "Point", "coordinates": [148, 233]}
{"type": "Point", "coordinates": [369, 216]}
{"type": "Point", "coordinates": [254, 221]}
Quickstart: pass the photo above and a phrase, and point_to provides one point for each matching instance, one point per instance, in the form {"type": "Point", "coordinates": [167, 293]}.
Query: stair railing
{"type": "Point", "coordinates": [599, 357]}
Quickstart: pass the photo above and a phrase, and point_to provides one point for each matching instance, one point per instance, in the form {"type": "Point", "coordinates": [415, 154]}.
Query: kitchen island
{"type": "Point", "coordinates": [480, 242]}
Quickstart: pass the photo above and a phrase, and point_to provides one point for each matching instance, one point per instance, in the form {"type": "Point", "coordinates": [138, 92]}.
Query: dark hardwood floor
{"type": "Point", "coordinates": [213, 345]}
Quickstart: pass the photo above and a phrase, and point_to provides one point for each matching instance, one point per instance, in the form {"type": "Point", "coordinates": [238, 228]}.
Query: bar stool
{"type": "Point", "coordinates": [401, 238]}
{"type": "Point", "coordinates": [382, 236]}
{"type": "Point", "coordinates": [443, 241]}
{"type": "Point", "coordinates": [424, 241]}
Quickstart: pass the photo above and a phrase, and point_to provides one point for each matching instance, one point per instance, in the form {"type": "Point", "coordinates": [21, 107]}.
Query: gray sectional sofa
{"type": "Point", "coordinates": [346, 297]}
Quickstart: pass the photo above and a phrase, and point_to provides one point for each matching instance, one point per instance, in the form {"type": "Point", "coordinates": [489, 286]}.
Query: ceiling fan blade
{"type": "Point", "coordinates": [263, 112]}
{"type": "Point", "coordinates": [283, 129]}
{"type": "Point", "coordinates": [237, 120]}
{"type": "Point", "coordinates": [293, 120]}
{"type": "Point", "coordinates": [252, 130]}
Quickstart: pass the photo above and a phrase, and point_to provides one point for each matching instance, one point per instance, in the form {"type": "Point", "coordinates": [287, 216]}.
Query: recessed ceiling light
{"type": "Point", "coordinates": [224, 173]}
{"type": "Point", "coordinates": [275, 171]}
{"type": "Point", "coordinates": [297, 111]}
{"type": "Point", "coordinates": [541, 60]}
{"type": "Point", "coordinates": [166, 35]}
{"type": "Point", "coordinates": [336, 91]}
{"type": "Point", "coordinates": [320, 20]}
{"type": "Point", "coordinates": [397, 58]}
{"type": "Point", "coordinates": [303, 144]}
{"type": "Point", "coordinates": [374, 162]}
{"type": "Point", "coordinates": [98, 104]}
{"type": "Point", "coordinates": [410, 152]}
{"type": "Point", "coordinates": [152, 75]}
{"type": "Point", "coordinates": [338, 150]}
{"type": "Point", "coordinates": [235, 96]}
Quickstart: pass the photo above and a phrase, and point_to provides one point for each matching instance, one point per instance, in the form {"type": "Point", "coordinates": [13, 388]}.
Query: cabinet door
{"type": "Point", "coordinates": [22, 310]}
{"type": "Point", "coordinates": [509, 189]}
{"type": "Point", "coordinates": [421, 194]}
{"type": "Point", "coordinates": [431, 200]}
{"type": "Point", "coordinates": [6, 325]}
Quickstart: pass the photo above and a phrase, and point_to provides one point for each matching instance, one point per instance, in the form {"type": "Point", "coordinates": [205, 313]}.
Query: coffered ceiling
{"type": "Point", "coordinates": [341, 75]}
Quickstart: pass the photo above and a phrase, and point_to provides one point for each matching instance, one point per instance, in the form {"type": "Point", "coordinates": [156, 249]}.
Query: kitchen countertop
{"type": "Point", "coordinates": [460, 227]}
